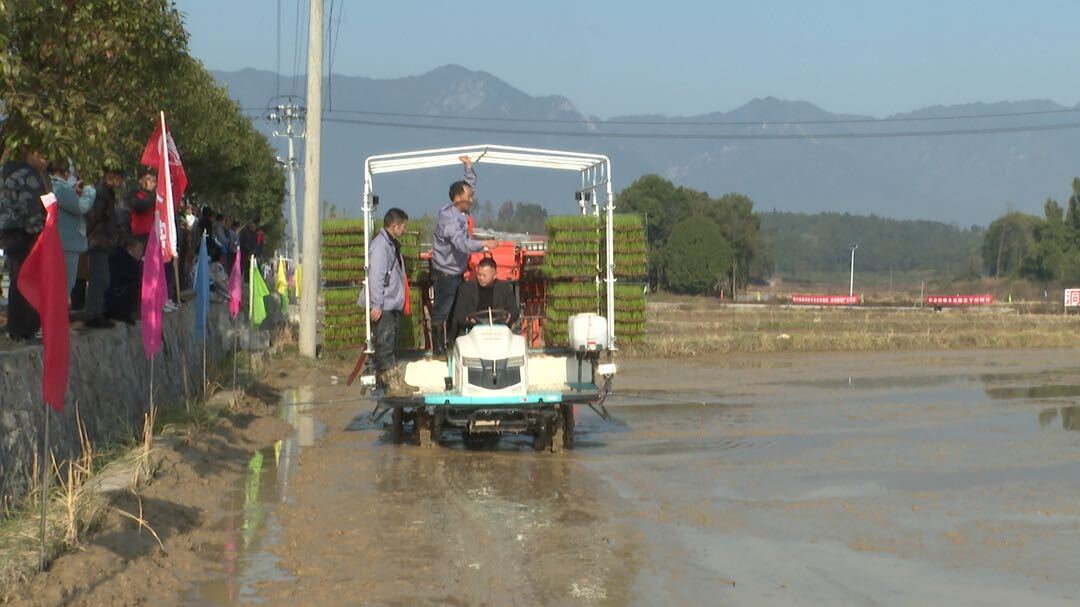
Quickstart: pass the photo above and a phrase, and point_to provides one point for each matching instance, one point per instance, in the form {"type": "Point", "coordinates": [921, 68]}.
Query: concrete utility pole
{"type": "Point", "coordinates": [309, 294]}
{"type": "Point", "coordinates": [288, 114]}
{"type": "Point", "coordinates": [851, 287]}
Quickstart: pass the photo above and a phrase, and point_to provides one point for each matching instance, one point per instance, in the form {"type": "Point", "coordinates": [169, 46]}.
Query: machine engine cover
{"type": "Point", "coordinates": [491, 361]}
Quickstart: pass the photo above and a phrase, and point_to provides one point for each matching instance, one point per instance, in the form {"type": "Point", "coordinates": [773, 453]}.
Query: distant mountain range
{"type": "Point", "coordinates": [967, 179]}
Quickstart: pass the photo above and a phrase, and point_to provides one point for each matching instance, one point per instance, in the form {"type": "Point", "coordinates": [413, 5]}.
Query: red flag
{"type": "Point", "coordinates": [153, 293]}
{"type": "Point", "coordinates": [44, 286]}
{"type": "Point", "coordinates": [171, 183]}
{"type": "Point", "coordinates": [236, 284]}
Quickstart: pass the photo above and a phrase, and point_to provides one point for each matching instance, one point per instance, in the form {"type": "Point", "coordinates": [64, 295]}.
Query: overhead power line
{"type": "Point", "coordinates": [277, 53]}
{"type": "Point", "coordinates": [296, 47]}
{"type": "Point", "coordinates": [711, 136]}
{"type": "Point", "coordinates": [678, 122]}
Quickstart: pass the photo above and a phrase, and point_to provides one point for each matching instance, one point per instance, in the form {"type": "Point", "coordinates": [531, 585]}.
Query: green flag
{"type": "Point", "coordinates": [258, 292]}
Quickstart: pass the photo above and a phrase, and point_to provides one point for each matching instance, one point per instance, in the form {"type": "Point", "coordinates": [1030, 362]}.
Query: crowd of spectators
{"type": "Point", "coordinates": [104, 235]}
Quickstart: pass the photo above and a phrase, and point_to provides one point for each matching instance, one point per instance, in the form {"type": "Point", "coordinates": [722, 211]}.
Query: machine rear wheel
{"type": "Point", "coordinates": [542, 438]}
{"type": "Point", "coordinates": [568, 425]}
{"type": "Point", "coordinates": [397, 426]}
{"type": "Point", "coordinates": [558, 437]}
{"type": "Point", "coordinates": [424, 424]}
{"type": "Point", "coordinates": [438, 420]}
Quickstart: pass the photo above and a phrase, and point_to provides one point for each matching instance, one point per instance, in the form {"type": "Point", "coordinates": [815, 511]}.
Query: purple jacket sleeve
{"type": "Point", "coordinates": [461, 241]}
{"type": "Point", "coordinates": [470, 177]}
{"type": "Point", "coordinates": [379, 264]}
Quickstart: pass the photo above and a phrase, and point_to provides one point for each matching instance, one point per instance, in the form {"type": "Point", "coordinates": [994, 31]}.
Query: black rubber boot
{"type": "Point", "coordinates": [438, 341]}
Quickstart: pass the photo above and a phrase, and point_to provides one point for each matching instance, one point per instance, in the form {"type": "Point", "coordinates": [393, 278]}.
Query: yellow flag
{"type": "Point", "coordinates": [282, 281]}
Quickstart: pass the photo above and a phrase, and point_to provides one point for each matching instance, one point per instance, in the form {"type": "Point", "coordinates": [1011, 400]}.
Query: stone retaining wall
{"type": "Point", "coordinates": [109, 387]}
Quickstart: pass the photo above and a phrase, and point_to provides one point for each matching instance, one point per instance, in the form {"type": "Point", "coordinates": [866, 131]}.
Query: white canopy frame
{"type": "Point", "coordinates": [596, 188]}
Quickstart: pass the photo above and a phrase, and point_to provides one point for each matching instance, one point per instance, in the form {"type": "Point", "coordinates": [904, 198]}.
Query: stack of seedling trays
{"type": "Point", "coordinates": [570, 267]}
{"type": "Point", "coordinates": [565, 299]}
{"type": "Point", "coordinates": [573, 248]}
{"type": "Point", "coordinates": [631, 271]}
{"type": "Point", "coordinates": [343, 274]}
{"type": "Point", "coordinates": [342, 252]}
{"type": "Point", "coordinates": [631, 254]}
{"type": "Point", "coordinates": [574, 260]}
{"type": "Point", "coordinates": [630, 313]}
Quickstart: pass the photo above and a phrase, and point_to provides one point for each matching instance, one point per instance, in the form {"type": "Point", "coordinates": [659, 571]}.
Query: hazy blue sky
{"type": "Point", "coordinates": [681, 57]}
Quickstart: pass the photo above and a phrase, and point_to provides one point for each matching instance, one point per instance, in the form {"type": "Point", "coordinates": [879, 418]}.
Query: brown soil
{"type": "Point", "coordinates": [122, 564]}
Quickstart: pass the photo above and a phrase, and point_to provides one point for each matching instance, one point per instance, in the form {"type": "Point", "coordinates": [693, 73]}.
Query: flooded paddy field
{"type": "Point", "coordinates": [869, 479]}
{"type": "Point", "coordinates": [900, 478]}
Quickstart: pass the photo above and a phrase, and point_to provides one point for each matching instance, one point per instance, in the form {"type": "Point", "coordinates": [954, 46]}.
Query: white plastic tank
{"type": "Point", "coordinates": [588, 332]}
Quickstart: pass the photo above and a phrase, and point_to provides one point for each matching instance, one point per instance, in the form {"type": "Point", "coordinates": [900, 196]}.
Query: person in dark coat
{"type": "Point", "coordinates": [22, 217]}
{"type": "Point", "coordinates": [486, 292]}
{"type": "Point", "coordinates": [248, 243]}
{"type": "Point", "coordinates": [102, 238]}
{"type": "Point", "coordinates": [125, 286]}
{"type": "Point", "coordinates": [205, 228]}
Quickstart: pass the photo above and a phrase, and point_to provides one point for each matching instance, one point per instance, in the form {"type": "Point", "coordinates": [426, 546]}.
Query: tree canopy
{"type": "Point", "coordinates": [735, 230]}
{"type": "Point", "coordinates": [801, 243]}
{"type": "Point", "coordinates": [697, 256]}
{"type": "Point", "coordinates": [1045, 249]}
{"type": "Point", "coordinates": [86, 79]}
{"type": "Point", "coordinates": [518, 217]}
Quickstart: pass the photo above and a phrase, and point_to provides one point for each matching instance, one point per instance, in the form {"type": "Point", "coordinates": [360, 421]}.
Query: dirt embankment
{"type": "Point", "coordinates": [121, 562]}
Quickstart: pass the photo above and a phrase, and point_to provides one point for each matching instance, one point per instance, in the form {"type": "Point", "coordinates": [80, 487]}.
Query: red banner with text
{"type": "Point", "coordinates": [1072, 298]}
{"type": "Point", "coordinates": [803, 299]}
{"type": "Point", "coordinates": [985, 299]}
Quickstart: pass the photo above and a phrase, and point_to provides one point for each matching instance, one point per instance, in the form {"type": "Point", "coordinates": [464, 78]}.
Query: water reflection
{"type": "Point", "coordinates": [1018, 392]}
{"type": "Point", "coordinates": [251, 527]}
{"type": "Point", "coordinates": [1070, 417]}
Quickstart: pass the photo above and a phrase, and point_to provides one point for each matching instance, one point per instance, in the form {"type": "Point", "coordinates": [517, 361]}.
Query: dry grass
{"type": "Point", "coordinates": [143, 455]}
{"type": "Point", "coordinates": [73, 511]}
{"type": "Point", "coordinates": [688, 327]}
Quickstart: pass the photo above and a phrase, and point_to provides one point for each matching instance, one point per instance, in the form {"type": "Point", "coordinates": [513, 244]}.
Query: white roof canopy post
{"type": "Point", "coordinates": [367, 207]}
{"type": "Point", "coordinates": [595, 172]}
{"type": "Point", "coordinates": [610, 237]}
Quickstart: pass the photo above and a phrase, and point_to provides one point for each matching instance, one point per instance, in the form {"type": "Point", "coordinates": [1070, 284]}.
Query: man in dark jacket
{"type": "Point", "coordinates": [205, 228]}
{"type": "Point", "coordinates": [125, 273]}
{"type": "Point", "coordinates": [102, 238]}
{"type": "Point", "coordinates": [22, 217]}
{"type": "Point", "coordinates": [248, 241]}
{"type": "Point", "coordinates": [485, 293]}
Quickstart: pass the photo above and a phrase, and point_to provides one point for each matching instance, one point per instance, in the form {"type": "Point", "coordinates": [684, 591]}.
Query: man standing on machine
{"type": "Point", "coordinates": [389, 294]}
{"type": "Point", "coordinates": [452, 243]}
{"type": "Point", "coordinates": [476, 297]}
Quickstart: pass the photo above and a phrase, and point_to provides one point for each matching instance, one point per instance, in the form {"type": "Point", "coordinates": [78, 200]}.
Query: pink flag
{"type": "Point", "coordinates": [153, 292]}
{"type": "Point", "coordinates": [236, 287]}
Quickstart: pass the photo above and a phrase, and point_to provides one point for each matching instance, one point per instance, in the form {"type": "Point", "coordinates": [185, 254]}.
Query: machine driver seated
{"type": "Point", "coordinates": [486, 300]}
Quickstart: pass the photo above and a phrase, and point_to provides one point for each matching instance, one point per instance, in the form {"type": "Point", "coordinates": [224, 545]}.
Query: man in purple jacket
{"type": "Point", "coordinates": [386, 287]}
{"type": "Point", "coordinates": [452, 244]}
